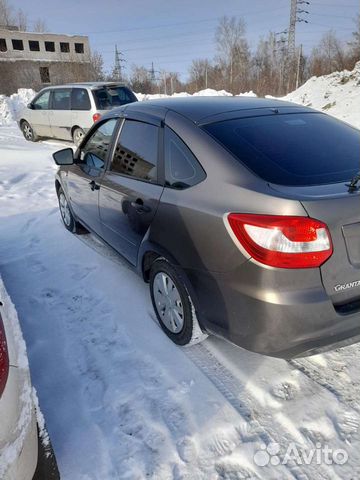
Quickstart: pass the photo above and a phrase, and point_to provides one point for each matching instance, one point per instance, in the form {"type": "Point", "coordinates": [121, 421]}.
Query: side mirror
{"type": "Point", "coordinates": [64, 157]}
{"type": "Point", "coordinates": [30, 106]}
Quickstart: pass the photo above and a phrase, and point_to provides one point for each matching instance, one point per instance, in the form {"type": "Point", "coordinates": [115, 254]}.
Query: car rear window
{"type": "Point", "coordinates": [110, 97]}
{"type": "Point", "coordinates": [292, 149]}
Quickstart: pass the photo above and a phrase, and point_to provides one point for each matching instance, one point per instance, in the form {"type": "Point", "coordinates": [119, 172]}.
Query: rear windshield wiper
{"type": "Point", "coordinates": [353, 185]}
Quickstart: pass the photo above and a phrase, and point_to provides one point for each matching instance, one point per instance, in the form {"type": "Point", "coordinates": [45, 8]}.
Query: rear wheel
{"type": "Point", "coordinates": [28, 132]}
{"type": "Point", "coordinates": [173, 306]}
{"type": "Point", "coordinates": [78, 135]}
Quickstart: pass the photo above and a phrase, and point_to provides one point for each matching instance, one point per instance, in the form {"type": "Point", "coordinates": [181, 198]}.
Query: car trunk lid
{"type": "Point", "coordinates": [340, 210]}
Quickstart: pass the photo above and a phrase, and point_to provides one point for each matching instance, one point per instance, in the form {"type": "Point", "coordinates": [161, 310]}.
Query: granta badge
{"type": "Point", "coordinates": [347, 286]}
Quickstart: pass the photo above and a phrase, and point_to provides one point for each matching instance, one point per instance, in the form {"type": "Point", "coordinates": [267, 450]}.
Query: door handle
{"type": "Point", "coordinates": [94, 185]}
{"type": "Point", "coordinates": [139, 206]}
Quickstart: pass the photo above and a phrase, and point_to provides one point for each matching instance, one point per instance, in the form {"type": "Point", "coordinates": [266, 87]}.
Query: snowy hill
{"type": "Point", "coordinates": [337, 94]}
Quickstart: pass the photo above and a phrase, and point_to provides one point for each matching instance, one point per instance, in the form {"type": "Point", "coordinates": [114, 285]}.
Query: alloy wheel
{"type": "Point", "coordinates": [78, 136]}
{"type": "Point", "coordinates": [28, 133]}
{"type": "Point", "coordinates": [64, 209]}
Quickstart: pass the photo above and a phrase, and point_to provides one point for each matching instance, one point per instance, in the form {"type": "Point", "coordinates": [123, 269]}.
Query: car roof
{"type": "Point", "coordinates": [197, 109]}
{"type": "Point", "coordinates": [90, 85]}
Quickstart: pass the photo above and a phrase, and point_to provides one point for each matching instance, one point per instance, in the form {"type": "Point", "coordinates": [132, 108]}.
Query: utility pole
{"type": "Point", "coordinates": [292, 29]}
{"type": "Point", "coordinates": [296, 16]}
{"type": "Point", "coordinates": [172, 84]}
{"type": "Point", "coordinates": [165, 87]}
{"type": "Point", "coordinates": [206, 77]}
{"type": "Point", "coordinates": [152, 72]}
{"type": "Point", "coordinates": [117, 67]}
{"type": "Point", "coordinates": [299, 67]}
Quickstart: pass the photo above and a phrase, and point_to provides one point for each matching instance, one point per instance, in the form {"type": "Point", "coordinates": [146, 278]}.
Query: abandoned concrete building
{"type": "Point", "coordinates": [36, 60]}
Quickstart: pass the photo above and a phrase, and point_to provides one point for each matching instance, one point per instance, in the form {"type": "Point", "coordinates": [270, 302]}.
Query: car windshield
{"type": "Point", "coordinates": [292, 149]}
{"type": "Point", "coordinates": [113, 96]}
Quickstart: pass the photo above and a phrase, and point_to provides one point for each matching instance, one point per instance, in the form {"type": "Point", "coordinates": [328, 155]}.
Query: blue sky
{"type": "Point", "coordinates": [173, 32]}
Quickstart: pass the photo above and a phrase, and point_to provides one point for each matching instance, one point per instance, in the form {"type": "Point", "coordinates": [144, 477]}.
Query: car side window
{"type": "Point", "coordinates": [136, 153]}
{"type": "Point", "coordinates": [182, 170]}
{"type": "Point", "coordinates": [80, 99]}
{"type": "Point", "coordinates": [61, 99]}
{"type": "Point", "coordinates": [42, 102]}
{"type": "Point", "coordinates": [95, 151]}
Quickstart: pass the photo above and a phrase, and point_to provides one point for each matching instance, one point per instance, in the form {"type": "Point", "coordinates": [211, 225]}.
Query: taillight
{"type": "Point", "coordinates": [282, 241]}
{"type": "Point", "coordinates": [96, 117]}
{"type": "Point", "coordinates": [4, 359]}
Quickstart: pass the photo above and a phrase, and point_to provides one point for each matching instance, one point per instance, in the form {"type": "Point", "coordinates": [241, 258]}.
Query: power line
{"type": "Point", "coordinates": [331, 16]}
{"type": "Point", "coordinates": [332, 26]}
{"type": "Point", "coordinates": [191, 22]}
{"type": "Point", "coordinates": [335, 6]}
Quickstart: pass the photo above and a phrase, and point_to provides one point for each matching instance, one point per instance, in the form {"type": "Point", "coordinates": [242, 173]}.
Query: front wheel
{"type": "Point", "coordinates": [66, 215]}
{"type": "Point", "coordinates": [28, 132]}
{"type": "Point", "coordinates": [173, 306]}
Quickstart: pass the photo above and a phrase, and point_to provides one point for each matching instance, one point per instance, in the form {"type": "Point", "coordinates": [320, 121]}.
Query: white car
{"type": "Point", "coordinates": [18, 426]}
{"type": "Point", "coordinates": [67, 112]}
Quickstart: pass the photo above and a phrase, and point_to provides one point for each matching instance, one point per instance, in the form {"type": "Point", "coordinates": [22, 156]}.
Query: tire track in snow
{"type": "Point", "coordinates": [231, 389]}
{"type": "Point", "coordinates": [328, 379]}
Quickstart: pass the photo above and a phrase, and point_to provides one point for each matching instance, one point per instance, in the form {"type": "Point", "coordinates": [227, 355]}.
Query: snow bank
{"type": "Point", "coordinates": [18, 356]}
{"type": "Point", "coordinates": [11, 106]}
{"type": "Point", "coordinates": [247, 94]}
{"type": "Point", "coordinates": [337, 94]}
{"type": "Point", "coordinates": [208, 92]}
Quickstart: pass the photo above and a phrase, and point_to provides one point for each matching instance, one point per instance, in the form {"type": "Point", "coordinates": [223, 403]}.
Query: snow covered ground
{"type": "Point", "coordinates": [120, 400]}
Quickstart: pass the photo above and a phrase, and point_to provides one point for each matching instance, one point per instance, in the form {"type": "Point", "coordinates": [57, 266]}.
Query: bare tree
{"type": "Point", "coordinates": [268, 66]}
{"type": "Point", "coordinates": [200, 72]}
{"type": "Point", "coordinates": [22, 20]}
{"type": "Point", "coordinates": [40, 26]}
{"type": "Point", "coordinates": [354, 55]}
{"type": "Point", "coordinates": [328, 56]}
{"type": "Point", "coordinates": [97, 67]}
{"type": "Point", "coordinates": [233, 52]}
{"type": "Point", "coordinates": [6, 13]}
{"type": "Point", "coordinates": [140, 80]}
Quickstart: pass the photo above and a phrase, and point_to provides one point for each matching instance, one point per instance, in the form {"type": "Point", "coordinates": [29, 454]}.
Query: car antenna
{"type": "Point", "coordinates": [353, 184]}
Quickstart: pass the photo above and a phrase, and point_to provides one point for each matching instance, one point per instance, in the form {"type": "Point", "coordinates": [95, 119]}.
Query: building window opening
{"type": "Point", "coordinates": [44, 75]}
{"type": "Point", "coordinates": [34, 46]}
{"type": "Point", "coordinates": [79, 47]}
{"type": "Point", "coordinates": [17, 44]}
{"type": "Point", "coordinates": [3, 46]}
{"type": "Point", "coordinates": [50, 46]}
{"type": "Point", "coordinates": [64, 47]}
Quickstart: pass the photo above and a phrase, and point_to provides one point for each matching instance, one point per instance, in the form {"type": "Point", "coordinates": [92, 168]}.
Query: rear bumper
{"type": "Point", "coordinates": [279, 319]}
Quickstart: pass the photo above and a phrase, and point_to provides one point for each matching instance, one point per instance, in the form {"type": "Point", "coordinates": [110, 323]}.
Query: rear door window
{"type": "Point", "coordinates": [292, 149]}
{"type": "Point", "coordinates": [80, 99]}
{"type": "Point", "coordinates": [110, 97]}
{"type": "Point", "coordinates": [136, 153]}
{"type": "Point", "coordinates": [61, 99]}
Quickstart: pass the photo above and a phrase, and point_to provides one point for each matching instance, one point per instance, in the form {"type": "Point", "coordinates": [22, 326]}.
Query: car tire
{"type": "Point", "coordinates": [78, 135]}
{"type": "Point", "coordinates": [28, 132]}
{"type": "Point", "coordinates": [173, 305]}
{"type": "Point", "coordinates": [67, 216]}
